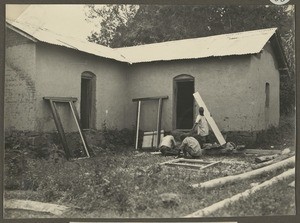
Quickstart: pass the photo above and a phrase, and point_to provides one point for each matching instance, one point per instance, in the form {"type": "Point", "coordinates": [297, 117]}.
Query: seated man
{"type": "Point", "coordinates": [168, 146]}
{"type": "Point", "coordinates": [191, 146]}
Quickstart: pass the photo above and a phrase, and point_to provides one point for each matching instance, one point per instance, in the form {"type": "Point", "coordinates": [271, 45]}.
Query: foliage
{"type": "Point", "coordinates": [114, 137]}
{"type": "Point", "coordinates": [145, 24]}
{"type": "Point", "coordinates": [112, 16]}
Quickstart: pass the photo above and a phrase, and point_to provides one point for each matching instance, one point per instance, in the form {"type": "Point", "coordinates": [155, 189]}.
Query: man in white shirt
{"type": "Point", "coordinates": [190, 146]}
{"type": "Point", "coordinates": [202, 130]}
{"type": "Point", "coordinates": [167, 146]}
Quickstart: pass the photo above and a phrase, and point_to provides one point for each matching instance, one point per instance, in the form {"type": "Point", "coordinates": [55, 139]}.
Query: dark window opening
{"type": "Point", "coordinates": [267, 91]}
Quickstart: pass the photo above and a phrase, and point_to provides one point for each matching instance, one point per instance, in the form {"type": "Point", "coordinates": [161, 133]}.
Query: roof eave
{"type": "Point", "coordinates": [276, 44]}
{"type": "Point", "coordinates": [21, 32]}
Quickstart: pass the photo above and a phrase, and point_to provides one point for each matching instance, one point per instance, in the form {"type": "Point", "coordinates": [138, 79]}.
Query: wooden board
{"type": "Point", "coordinates": [59, 126]}
{"type": "Point", "coordinates": [261, 151]}
{"type": "Point", "coordinates": [35, 206]}
{"type": "Point", "coordinates": [209, 119]}
{"type": "Point", "coordinates": [190, 163]}
{"type": "Point", "coordinates": [150, 139]}
{"type": "Point", "coordinates": [150, 98]}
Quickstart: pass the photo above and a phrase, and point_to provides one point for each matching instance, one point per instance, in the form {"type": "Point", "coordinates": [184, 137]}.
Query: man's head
{"type": "Point", "coordinates": [201, 111]}
{"type": "Point", "coordinates": [182, 137]}
{"type": "Point", "coordinates": [167, 133]}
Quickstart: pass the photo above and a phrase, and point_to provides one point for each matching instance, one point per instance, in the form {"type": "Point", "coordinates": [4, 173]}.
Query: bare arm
{"type": "Point", "coordinates": [194, 126]}
{"type": "Point", "coordinates": [173, 142]}
{"type": "Point", "coordinates": [183, 144]}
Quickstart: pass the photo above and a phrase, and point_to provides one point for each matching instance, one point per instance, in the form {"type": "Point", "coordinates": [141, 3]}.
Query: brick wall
{"type": "Point", "coordinates": [15, 39]}
{"type": "Point", "coordinates": [20, 89]}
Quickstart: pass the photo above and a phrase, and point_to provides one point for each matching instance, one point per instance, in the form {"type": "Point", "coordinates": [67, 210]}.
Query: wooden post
{"type": "Point", "coordinates": [137, 124]}
{"type": "Point", "coordinates": [209, 119]}
{"type": "Point", "coordinates": [60, 129]}
{"type": "Point", "coordinates": [79, 129]}
{"type": "Point", "coordinates": [159, 112]}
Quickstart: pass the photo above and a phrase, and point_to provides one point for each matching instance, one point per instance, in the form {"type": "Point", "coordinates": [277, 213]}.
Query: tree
{"type": "Point", "coordinates": [110, 17]}
{"type": "Point", "coordinates": [146, 24]}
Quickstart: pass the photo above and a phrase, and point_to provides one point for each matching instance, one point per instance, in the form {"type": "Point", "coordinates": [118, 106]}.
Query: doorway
{"type": "Point", "coordinates": [184, 101]}
{"type": "Point", "coordinates": [87, 100]}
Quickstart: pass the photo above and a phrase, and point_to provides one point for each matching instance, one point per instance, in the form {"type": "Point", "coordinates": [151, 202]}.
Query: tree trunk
{"type": "Point", "coordinates": [247, 175]}
{"type": "Point", "coordinates": [224, 203]}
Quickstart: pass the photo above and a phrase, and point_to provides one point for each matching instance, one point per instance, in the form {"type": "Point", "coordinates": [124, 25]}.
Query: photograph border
{"type": "Point", "coordinates": [258, 219]}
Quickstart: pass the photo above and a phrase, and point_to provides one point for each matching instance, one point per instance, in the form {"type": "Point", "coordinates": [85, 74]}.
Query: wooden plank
{"type": "Point", "coordinates": [150, 138]}
{"type": "Point", "coordinates": [171, 161]}
{"type": "Point", "coordinates": [35, 206]}
{"type": "Point", "coordinates": [75, 115]}
{"type": "Point", "coordinates": [275, 160]}
{"type": "Point", "coordinates": [261, 151]}
{"type": "Point", "coordinates": [147, 140]}
{"type": "Point", "coordinates": [60, 129]}
{"type": "Point", "coordinates": [159, 112]}
{"type": "Point", "coordinates": [82, 133]}
{"type": "Point", "coordinates": [185, 165]}
{"type": "Point", "coordinates": [138, 124]}
{"type": "Point", "coordinates": [262, 159]}
{"type": "Point", "coordinates": [155, 153]}
{"type": "Point", "coordinates": [209, 119]}
{"type": "Point", "coordinates": [194, 161]}
{"type": "Point", "coordinates": [210, 165]}
{"type": "Point", "coordinates": [199, 166]}
{"type": "Point", "coordinates": [150, 98]}
{"type": "Point", "coordinates": [60, 99]}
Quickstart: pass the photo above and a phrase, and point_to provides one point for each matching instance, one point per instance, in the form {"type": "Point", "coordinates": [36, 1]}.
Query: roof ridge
{"type": "Point", "coordinates": [198, 38]}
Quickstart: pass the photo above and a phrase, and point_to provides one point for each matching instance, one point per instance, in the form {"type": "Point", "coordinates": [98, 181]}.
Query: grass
{"type": "Point", "coordinates": [121, 183]}
{"type": "Point", "coordinates": [268, 201]}
{"type": "Point", "coordinates": [124, 185]}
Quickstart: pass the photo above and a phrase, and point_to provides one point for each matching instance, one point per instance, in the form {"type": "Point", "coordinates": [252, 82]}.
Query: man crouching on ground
{"type": "Point", "coordinates": [190, 146]}
{"type": "Point", "coordinates": [168, 146]}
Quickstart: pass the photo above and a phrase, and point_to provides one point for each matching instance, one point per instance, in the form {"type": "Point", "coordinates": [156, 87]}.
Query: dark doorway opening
{"type": "Point", "coordinates": [184, 102]}
{"type": "Point", "coordinates": [86, 102]}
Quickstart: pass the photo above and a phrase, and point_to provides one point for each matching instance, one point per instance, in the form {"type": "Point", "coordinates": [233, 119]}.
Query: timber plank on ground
{"type": "Point", "coordinates": [262, 151]}
{"type": "Point", "coordinates": [190, 163]}
{"type": "Point", "coordinates": [35, 206]}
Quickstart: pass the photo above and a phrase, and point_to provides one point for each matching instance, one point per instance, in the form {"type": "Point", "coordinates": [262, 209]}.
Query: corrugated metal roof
{"type": "Point", "coordinates": [249, 42]}
{"type": "Point", "coordinates": [45, 35]}
{"type": "Point", "coordinates": [241, 43]}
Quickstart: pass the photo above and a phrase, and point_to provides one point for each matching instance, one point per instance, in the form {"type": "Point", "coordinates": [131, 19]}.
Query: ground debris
{"type": "Point", "coordinates": [169, 199]}
{"type": "Point", "coordinates": [292, 184]}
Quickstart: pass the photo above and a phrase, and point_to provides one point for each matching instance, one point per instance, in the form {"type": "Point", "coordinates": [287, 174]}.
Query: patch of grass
{"type": "Point", "coordinates": [279, 137]}
{"type": "Point", "coordinates": [125, 185]}
{"type": "Point", "coordinates": [278, 199]}
{"type": "Point", "coordinates": [121, 183]}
